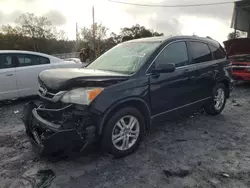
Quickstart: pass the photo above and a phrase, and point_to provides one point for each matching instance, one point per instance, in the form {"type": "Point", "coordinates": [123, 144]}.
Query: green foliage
{"type": "Point", "coordinates": [100, 32]}
{"type": "Point", "coordinates": [136, 32]}
{"type": "Point", "coordinates": [30, 25]}
{"type": "Point", "coordinates": [49, 46]}
{"type": "Point", "coordinates": [36, 33]}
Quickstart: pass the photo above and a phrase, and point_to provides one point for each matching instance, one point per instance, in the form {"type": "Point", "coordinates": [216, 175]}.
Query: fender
{"type": "Point", "coordinates": [224, 78]}
{"type": "Point", "coordinates": [113, 106]}
{"type": "Point", "coordinates": [228, 81]}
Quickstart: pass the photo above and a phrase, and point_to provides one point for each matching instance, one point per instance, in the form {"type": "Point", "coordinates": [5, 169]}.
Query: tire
{"type": "Point", "coordinates": [212, 108]}
{"type": "Point", "coordinates": [112, 130]}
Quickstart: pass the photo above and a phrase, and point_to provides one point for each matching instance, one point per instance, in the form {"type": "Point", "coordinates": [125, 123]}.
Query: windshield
{"type": "Point", "coordinates": [125, 58]}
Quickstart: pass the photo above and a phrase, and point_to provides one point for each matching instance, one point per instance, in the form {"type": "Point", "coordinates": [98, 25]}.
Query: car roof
{"type": "Point", "coordinates": [28, 52]}
{"type": "Point", "coordinates": [179, 37]}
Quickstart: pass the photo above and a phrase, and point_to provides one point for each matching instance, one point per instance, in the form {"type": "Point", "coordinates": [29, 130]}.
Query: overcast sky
{"type": "Point", "coordinates": [211, 21]}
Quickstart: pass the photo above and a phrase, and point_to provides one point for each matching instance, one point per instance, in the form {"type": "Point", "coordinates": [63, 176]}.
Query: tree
{"type": "Point", "coordinates": [61, 35]}
{"type": "Point", "coordinates": [100, 35]}
{"type": "Point", "coordinates": [9, 30]}
{"type": "Point", "coordinates": [156, 34]}
{"type": "Point", "coordinates": [100, 32]}
{"type": "Point", "coordinates": [137, 31]}
{"type": "Point", "coordinates": [34, 26]}
{"type": "Point", "coordinates": [234, 35]}
{"type": "Point", "coordinates": [113, 39]}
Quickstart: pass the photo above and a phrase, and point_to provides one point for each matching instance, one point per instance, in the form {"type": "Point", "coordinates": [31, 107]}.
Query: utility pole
{"type": "Point", "coordinates": [93, 17]}
{"type": "Point", "coordinates": [76, 32]}
{"type": "Point", "coordinates": [77, 37]}
{"type": "Point", "coordinates": [236, 20]}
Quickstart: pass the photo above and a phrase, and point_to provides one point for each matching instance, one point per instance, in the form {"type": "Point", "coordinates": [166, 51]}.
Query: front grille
{"type": "Point", "coordinates": [43, 91]}
{"type": "Point", "coordinates": [53, 97]}
{"type": "Point", "coordinates": [54, 112]}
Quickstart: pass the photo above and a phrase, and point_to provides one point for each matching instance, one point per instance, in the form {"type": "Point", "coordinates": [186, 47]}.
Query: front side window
{"type": "Point", "coordinates": [30, 60]}
{"type": "Point", "coordinates": [6, 61]}
{"type": "Point", "coordinates": [125, 58]}
{"type": "Point", "coordinates": [200, 52]}
{"type": "Point", "coordinates": [175, 53]}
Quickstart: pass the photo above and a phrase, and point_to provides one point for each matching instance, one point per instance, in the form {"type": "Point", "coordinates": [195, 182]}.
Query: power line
{"type": "Point", "coordinates": [172, 6]}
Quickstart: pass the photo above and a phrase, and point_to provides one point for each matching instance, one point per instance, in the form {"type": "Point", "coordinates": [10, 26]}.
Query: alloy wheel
{"type": "Point", "coordinates": [125, 132]}
{"type": "Point", "coordinates": [219, 99]}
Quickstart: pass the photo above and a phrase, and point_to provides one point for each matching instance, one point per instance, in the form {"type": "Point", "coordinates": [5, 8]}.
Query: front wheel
{"type": "Point", "coordinates": [123, 132]}
{"type": "Point", "coordinates": [217, 104]}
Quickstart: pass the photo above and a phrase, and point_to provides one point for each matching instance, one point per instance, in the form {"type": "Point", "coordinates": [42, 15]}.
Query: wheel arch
{"type": "Point", "coordinates": [226, 82]}
{"type": "Point", "coordinates": [135, 102]}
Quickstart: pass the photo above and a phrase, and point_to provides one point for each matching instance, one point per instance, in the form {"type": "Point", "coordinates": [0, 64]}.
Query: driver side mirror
{"type": "Point", "coordinates": [164, 68]}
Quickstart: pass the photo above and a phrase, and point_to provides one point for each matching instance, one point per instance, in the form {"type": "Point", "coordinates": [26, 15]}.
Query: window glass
{"type": "Point", "coordinates": [217, 53]}
{"type": "Point", "coordinates": [44, 60]}
{"type": "Point", "coordinates": [175, 53]}
{"type": "Point", "coordinates": [21, 59]}
{"type": "Point", "coordinates": [125, 58]}
{"type": "Point", "coordinates": [30, 60]}
{"type": "Point", "coordinates": [6, 61]}
{"type": "Point", "coordinates": [200, 52]}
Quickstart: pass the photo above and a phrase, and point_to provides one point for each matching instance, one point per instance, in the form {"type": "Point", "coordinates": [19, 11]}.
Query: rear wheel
{"type": "Point", "coordinates": [123, 132]}
{"type": "Point", "coordinates": [217, 104]}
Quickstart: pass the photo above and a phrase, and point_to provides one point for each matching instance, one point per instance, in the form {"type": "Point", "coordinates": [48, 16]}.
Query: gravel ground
{"type": "Point", "coordinates": [197, 151]}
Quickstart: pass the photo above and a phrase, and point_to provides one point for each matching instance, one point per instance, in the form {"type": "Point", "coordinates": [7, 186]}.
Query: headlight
{"type": "Point", "coordinates": [81, 95]}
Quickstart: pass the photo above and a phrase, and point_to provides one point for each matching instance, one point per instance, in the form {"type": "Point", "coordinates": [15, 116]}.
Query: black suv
{"type": "Point", "coordinates": [115, 99]}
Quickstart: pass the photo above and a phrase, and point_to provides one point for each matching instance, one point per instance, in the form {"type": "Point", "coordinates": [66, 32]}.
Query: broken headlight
{"type": "Point", "coordinates": [82, 96]}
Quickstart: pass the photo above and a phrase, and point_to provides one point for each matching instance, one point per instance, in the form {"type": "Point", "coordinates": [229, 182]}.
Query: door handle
{"type": "Point", "coordinates": [215, 65]}
{"type": "Point", "coordinates": [9, 74]}
{"type": "Point", "coordinates": [189, 77]}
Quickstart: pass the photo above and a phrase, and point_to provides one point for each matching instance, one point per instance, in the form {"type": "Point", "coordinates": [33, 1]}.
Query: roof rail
{"type": "Point", "coordinates": [208, 37]}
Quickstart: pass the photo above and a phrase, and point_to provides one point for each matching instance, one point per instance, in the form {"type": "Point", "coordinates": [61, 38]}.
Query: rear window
{"type": "Point", "coordinates": [31, 60]}
{"type": "Point", "coordinates": [217, 53]}
{"type": "Point", "coordinates": [200, 52]}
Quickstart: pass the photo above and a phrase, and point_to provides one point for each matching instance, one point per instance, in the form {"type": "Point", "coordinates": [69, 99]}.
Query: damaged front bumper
{"type": "Point", "coordinates": [72, 132]}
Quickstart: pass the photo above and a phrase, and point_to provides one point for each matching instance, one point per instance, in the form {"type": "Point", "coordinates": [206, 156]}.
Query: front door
{"type": "Point", "coordinates": [8, 85]}
{"type": "Point", "coordinates": [28, 68]}
{"type": "Point", "coordinates": [170, 91]}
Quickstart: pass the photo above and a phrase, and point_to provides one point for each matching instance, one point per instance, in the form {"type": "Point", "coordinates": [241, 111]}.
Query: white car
{"type": "Point", "coordinates": [19, 71]}
{"type": "Point", "coordinates": [77, 60]}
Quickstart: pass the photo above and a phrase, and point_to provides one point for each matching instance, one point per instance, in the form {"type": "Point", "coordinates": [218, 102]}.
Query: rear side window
{"type": "Point", "coordinates": [200, 52]}
{"type": "Point", "coordinates": [217, 53]}
{"type": "Point", "coordinates": [44, 60]}
{"type": "Point", "coordinates": [31, 60]}
{"type": "Point", "coordinates": [175, 53]}
{"type": "Point", "coordinates": [6, 61]}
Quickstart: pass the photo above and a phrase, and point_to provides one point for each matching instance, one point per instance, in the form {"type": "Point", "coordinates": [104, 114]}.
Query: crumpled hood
{"type": "Point", "coordinates": [239, 46]}
{"type": "Point", "coordinates": [65, 78]}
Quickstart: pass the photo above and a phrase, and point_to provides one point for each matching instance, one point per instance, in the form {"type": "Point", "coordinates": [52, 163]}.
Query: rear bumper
{"type": "Point", "coordinates": [245, 76]}
{"type": "Point", "coordinates": [50, 139]}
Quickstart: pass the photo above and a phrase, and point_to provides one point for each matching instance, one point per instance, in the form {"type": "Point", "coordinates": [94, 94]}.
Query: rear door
{"type": "Point", "coordinates": [203, 69]}
{"type": "Point", "coordinates": [8, 85]}
{"type": "Point", "coordinates": [27, 71]}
